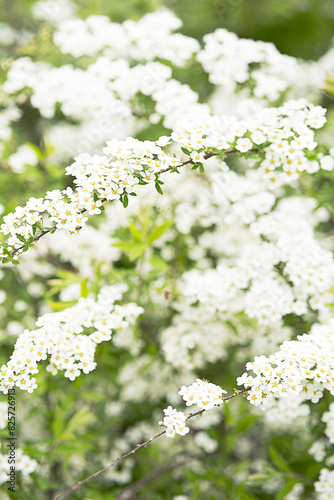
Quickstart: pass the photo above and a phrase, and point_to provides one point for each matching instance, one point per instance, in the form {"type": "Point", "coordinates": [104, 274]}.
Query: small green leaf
{"type": "Point", "coordinates": [278, 460]}
{"type": "Point", "coordinates": [84, 288]}
{"type": "Point", "coordinates": [57, 423]}
{"type": "Point", "coordinates": [137, 251]}
{"type": "Point", "coordinates": [125, 246]}
{"type": "Point", "coordinates": [158, 231]}
{"type": "Point", "coordinates": [125, 200]}
{"type": "Point", "coordinates": [136, 233]}
{"type": "Point", "coordinates": [257, 479]}
{"type": "Point", "coordinates": [80, 420]}
{"type": "Point", "coordinates": [158, 188]}
{"type": "Point", "coordinates": [158, 263]}
{"type": "Point", "coordinates": [45, 484]}
{"type": "Point", "coordinates": [286, 489]}
{"type": "Point", "coordinates": [61, 305]}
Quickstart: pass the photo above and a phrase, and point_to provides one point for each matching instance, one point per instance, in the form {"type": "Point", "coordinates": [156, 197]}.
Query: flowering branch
{"type": "Point", "coordinates": [129, 163]}
{"type": "Point", "coordinates": [139, 446]}
{"type": "Point", "coordinates": [168, 169]}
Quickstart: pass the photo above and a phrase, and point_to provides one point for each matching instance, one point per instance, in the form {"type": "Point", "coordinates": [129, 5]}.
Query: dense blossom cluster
{"type": "Point", "coordinates": [202, 393]}
{"type": "Point", "coordinates": [150, 38]}
{"type": "Point", "coordinates": [186, 344]}
{"type": "Point", "coordinates": [325, 485]}
{"type": "Point", "coordinates": [175, 422]}
{"type": "Point", "coordinates": [274, 275]}
{"type": "Point", "coordinates": [61, 338]}
{"type": "Point", "coordinates": [109, 81]}
{"type": "Point", "coordinates": [281, 135]}
{"type": "Point", "coordinates": [258, 66]}
{"type": "Point", "coordinates": [105, 97]}
{"type": "Point", "coordinates": [302, 367]}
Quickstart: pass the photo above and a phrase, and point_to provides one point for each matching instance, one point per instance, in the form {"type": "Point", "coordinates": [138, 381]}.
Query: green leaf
{"type": "Point", "coordinates": [57, 423]}
{"type": "Point", "coordinates": [158, 231]}
{"type": "Point", "coordinates": [137, 250]}
{"type": "Point", "coordinates": [245, 423]}
{"type": "Point", "coordinates": [136, 233]}
{"type": "Point", "coordinates": [45, 484]}
{"type": "Point", "coordinates": [68, 276]}
{"type": "Point", "coordinates": [201, 168]}
{"type": "Point", "coordinates": [62, 305]}
{"type": "Point", "coordinates": [84, 288]}
{"type": "Point", "coordinates": [125, 200]}
{"type": "Point", "coordinates": [257, 479]}
{"type": "Point", "coordinates": [158, 263]}
{"type": "Point", "coordinates": [125, 246]}
{"type": "Point", "coordinates": [158, 188]}
{"type": "Point", "coordinates": [35, 149]}
{"type": "Point", "coordinates": [286, 489]}
{"type": "Point", "coordinates": [80, 420]}
{"type": "Point", "coordinates": [278, 460]}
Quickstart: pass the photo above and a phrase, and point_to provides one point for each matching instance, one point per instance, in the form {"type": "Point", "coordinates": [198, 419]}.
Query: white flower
{"type": "Point", "coordinates": [244, 145]}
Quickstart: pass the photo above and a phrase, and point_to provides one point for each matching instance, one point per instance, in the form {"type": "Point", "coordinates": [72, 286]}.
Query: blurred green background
{"type": "Point", "coordinates": [302, 28]}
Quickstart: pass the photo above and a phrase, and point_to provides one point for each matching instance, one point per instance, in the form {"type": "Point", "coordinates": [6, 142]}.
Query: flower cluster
{"type": "Point", "coordinates": [175, 422]}
{"type": "Point", "coordinates": [256, 66]}
{"type": "Point", "coordinates": [103, 97]}
{"type": "Point", "coordinates": [61, 337]}
{"type": "Point", "coordinates": [152, 37]}
{"type": "Point", "coordinates": [318, 450]}
{"type": "Point", "coordinates": [282, 133]}
{"type": "Point", "coordinates": [302, 367]}
{"type": "Point", "coordinates": [110, 96]}
{"type": "Point", "coordinates": [274, 275]}
{"type": "Point", "coordinates": [186, 343]}
{"type": "Point", "coordinates": [325, 485]}
{"type": "Point", "coordinates": [53, 11]}
{"type": "Point", "coordinates": [202, 393]}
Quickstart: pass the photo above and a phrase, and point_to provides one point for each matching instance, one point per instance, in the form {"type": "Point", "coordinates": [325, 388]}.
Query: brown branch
{"type": "Point", "coordinates": [79, 483]}
{"type": "Point", "coordinates": [46, 231]}
{"type": "Point", "coordinates": [206, 157]}
{"type": "Point", "coordinates": [138, 447]}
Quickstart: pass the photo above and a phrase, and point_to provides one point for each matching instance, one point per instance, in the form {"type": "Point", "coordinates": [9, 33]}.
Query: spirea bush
{"type": "Point", "coordinates": [164, 247]}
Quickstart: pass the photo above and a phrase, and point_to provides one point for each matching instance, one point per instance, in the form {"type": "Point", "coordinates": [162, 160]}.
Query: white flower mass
{"type": "Point", "coordinates": [257, 275]}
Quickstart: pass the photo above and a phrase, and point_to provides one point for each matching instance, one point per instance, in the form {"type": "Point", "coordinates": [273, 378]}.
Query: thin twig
{"type": "Point", "coordinates": [46, 231]}
{"type": "Point", "coordinates": [79, 483]}
{"type": "Point", "coordinates": [138, 447]}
